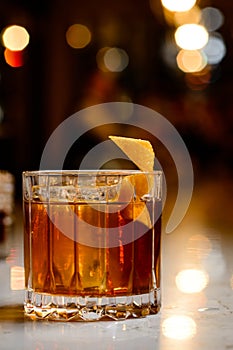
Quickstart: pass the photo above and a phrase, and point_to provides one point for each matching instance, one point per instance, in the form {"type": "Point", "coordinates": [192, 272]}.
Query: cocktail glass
{"type": "Point", "coordinates": [92, 244]}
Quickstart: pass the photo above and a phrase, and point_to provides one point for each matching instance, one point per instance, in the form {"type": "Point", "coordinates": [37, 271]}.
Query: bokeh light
{"type": "Point", "coordinates": [191, 36]}
{"type": "Point", "coordinates": [15, 38]}
{"type": "Point", "coordinates": [212, 18]}
{"type": "Point", "coordinates": [179, 327]}
{"type": "Point", "coordinates": [187, 17]}
{"type": "Point", "coordinates": [112, 59]}
{"type": "Point", "coordinates": [190, 61]}
{"type": "Point", "coordinates": [178, 5]}
{"type": "Point", "coordinates": [116, 59]}
{"type": "Point", "coordinates": [14, 58]}
{"type": "Point", "coordinates": [192, 280]}
{"type": "Point", "coordinates": [215, 49]}
{"type": "Point", "coordinates": [78, 36]}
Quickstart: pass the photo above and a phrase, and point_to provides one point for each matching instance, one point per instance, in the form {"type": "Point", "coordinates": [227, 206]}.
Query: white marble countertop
{"type": "Point", "coordinates": [197, 291]}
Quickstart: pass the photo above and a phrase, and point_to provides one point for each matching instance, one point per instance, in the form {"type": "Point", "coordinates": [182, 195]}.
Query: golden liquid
{"type": "Point", "coordinates": [59, 264]}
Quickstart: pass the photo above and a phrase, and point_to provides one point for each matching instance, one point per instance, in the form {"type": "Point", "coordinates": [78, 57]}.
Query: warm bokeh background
{"type": "Point", "coordinates": [54, 80]}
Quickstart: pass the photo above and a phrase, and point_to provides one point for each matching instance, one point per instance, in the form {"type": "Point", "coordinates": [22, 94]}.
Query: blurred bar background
{"type": "Point", "coordinates": [58, 57]}
{"type": "Point", "coordinates": [76, 54]}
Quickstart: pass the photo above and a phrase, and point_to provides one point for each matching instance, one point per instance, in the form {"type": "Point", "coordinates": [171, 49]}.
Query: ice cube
{"type": "Point", "coordinates": [75, 193]}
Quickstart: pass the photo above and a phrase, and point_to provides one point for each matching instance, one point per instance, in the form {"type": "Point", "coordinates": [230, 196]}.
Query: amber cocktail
{"type": "Point", "coordinates": [92, 244]}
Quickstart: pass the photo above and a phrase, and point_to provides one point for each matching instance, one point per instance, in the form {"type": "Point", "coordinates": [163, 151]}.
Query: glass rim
{"type": "Point", "coordinates": [116, 172]}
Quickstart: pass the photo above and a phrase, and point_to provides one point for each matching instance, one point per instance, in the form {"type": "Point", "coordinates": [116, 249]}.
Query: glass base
{"type": "Point", "coordinates": [65, 308]}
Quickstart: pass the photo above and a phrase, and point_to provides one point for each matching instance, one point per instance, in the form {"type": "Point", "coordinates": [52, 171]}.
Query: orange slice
{"type": "Point", "coordinates": [141, 153]}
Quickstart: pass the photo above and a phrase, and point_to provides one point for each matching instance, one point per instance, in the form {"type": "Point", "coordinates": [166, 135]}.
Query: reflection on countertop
{"type": "Point", "coordinates": [197, 290]}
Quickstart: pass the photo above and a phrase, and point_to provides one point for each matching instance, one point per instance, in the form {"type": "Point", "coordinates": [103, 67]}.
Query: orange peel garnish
{"type": "Point", "coordinates": [141, 153]}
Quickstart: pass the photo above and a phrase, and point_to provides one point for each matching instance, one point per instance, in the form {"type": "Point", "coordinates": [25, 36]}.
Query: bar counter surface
{"type": "Point", "coordinates": [197, 289]}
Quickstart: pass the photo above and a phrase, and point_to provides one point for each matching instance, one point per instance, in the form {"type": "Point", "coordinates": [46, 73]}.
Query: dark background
{"type": "Point", "coordinates": [57, 80]}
